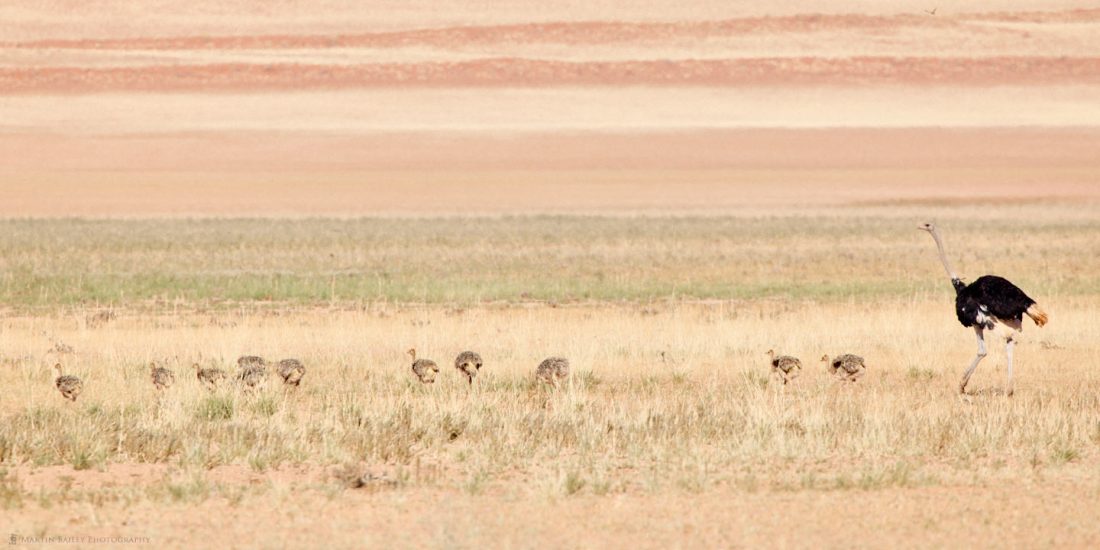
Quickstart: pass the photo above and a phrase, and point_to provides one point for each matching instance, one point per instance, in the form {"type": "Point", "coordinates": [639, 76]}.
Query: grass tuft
{"type": "Point", "coordinates": [215, 408]}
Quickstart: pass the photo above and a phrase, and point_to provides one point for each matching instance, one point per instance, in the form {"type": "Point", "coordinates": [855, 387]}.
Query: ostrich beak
{"type": "Point", "coordinates": [925, 227]}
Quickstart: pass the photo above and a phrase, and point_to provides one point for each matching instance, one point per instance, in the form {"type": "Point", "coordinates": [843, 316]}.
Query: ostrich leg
{"type": "Point", "coordinates": [977, 359]}
{"type": "Point", "coordinates": [1011, 345]}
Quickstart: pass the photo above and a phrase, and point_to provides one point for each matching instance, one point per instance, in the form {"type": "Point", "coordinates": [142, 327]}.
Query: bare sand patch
{"type": "Point", "coordinates": [1004, 515]}
{"type": "Point", "coordinates": [306, 174]}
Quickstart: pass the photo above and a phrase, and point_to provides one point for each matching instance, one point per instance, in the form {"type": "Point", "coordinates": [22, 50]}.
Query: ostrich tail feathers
{"type": "Point", "coordinates": [1037, 314]}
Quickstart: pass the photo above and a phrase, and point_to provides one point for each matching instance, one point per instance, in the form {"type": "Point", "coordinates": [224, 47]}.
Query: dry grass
{"type": "Point", "coordinates": [670, 397]}
{"type": "Point", "coordinates": [857, 253]}
{"type": "Point", "coordinates": [667, 396]}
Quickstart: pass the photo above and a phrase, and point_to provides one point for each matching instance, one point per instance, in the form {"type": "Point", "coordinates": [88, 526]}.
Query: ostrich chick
{"type": "Point", "coordinates": [785, 366]}
{"type": "Point", "coordinates": [847, 366]}
{"type": "Point", "coordinates": [291, 371]}
{"type": "Point", "coordinates": [69, 385]}
{"type": "Point", "coordinates": [162, 377]}
{"type": "Point", "coordinates": [251, 361]}
{"type": "Point", "coordinates": [553, 370]}
{"type": "Point", "coordinates": [424, 369]}
{"type": "Point", "coordinates": [468, 363]}
{"type": "Point", "coordinates": [209, 378]}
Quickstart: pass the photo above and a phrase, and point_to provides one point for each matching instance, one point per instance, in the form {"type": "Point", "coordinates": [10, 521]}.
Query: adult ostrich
{"type": "Point", "coordinates": [988, 303]}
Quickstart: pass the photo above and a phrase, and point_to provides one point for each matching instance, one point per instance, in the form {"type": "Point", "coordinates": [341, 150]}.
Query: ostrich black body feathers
{"type": "Point", "coordinates": [988, 298]}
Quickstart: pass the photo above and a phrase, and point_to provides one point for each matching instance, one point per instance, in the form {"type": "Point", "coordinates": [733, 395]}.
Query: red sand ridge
{"type": "Point", "coordinates": [801, 71]}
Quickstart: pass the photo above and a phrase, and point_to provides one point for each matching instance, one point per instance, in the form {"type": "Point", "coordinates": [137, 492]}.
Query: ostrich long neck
{"type": "Point", "coordinates": [943, 256]}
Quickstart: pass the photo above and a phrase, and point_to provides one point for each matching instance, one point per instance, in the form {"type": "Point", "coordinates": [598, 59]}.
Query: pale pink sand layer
{"type": "Point", "coordinates": [247, 107]}
{"type": "Point", "coordinates": [732, 171]}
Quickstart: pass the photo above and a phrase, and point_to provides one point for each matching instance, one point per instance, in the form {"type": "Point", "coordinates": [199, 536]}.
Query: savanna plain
{"type": "Point", "coordinates": [660, 192]}
{"type": "Point", "coordinates": [670, 421]}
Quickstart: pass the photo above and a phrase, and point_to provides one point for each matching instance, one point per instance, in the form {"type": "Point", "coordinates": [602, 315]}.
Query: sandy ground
{"type": "Point", "coordinates": [291, 516]}
{"type": "Point", "coordinates": [129, 19]}
{"type": "Point", "coordinates": [114, 108]}
{"type": "Point", "coordinates": [410, 173]}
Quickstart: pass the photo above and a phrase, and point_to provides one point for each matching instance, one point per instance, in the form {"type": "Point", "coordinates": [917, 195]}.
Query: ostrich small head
{"type": "Point", "coordinates": [57, 367]}
{"type": "Point", "coordinates": [770, 353]}
{"type": "Point", "coordinates": [825, 358]}
{"type": "Point", "coordinates": [927, 226]}
{"type": "Point", "coordinates": [412, 353]}
{"type": "Point", "coordinates": [196, 367]}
